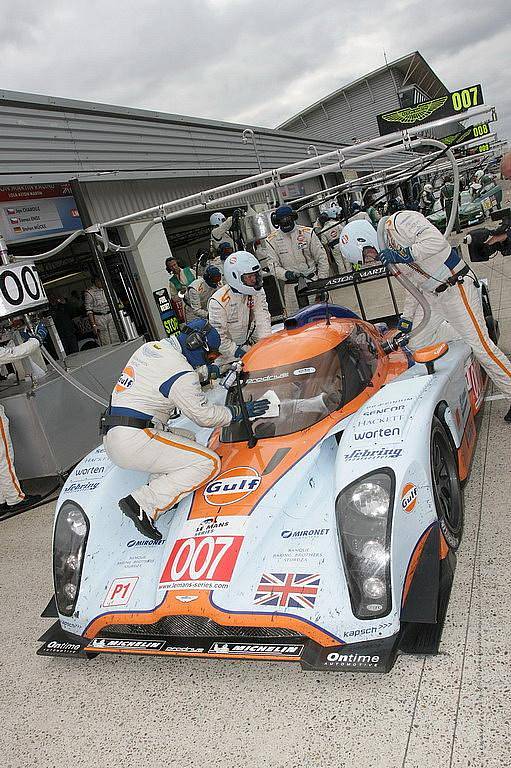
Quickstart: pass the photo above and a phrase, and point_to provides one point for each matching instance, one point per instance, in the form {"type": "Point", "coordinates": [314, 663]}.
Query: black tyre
{"type": "Point", "coordinates": [446, 485]}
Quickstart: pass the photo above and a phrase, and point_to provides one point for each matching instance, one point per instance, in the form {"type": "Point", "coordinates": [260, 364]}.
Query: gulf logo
{"type": "Point", "coordinates": [409, 497]}
{"type": "Point", "coordinates": [126, 379]}
{"type": "Point", "coordinates": [232, 486]}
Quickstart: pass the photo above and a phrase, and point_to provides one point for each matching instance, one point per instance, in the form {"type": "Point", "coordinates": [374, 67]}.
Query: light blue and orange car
{"type": "Point", "coordinates": [330, 542]}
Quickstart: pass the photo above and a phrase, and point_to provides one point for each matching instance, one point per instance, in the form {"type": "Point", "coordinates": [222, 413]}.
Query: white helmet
{"type": "Point", "coordinates": [478, 174]}
{"type": "Point", "coordinates": [216, 219]}
{"type": "Point", "coordinates": [355, 238]}
{"type": "Point", "coordinates": [428, 187]}
{"type": "Point", "coordinates": [237, 267]}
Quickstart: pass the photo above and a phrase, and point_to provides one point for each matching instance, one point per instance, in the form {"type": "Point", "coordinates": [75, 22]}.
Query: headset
{"type": "Point", "coordinates": [274, 220]}
{"type": "Point", "coordinates": [196, 339]}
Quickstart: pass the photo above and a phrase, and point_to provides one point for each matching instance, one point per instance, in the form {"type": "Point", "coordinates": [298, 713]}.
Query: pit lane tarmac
{"type": "Point", "coordinates": [451, 710]}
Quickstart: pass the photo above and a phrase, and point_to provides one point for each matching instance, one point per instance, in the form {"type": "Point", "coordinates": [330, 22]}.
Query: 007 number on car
{"type": "Point", "coordinates": [202, 558]}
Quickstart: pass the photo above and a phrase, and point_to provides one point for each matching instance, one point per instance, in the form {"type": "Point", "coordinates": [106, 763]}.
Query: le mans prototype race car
{"type": "Point", "coordinates": [329, 536]}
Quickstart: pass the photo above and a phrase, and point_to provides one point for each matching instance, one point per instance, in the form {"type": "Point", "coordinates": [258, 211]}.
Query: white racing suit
{"type": "Point", "coordinates": [157, 379]}
{"type": "Point", "coordinates": [95, 302]}
{"type": "Point", "coordinates": [196, 300]}
{"type": "Point", "coordinates": [459, 304]}
{"type": "Point", "coordinates": [330, 236]}
{"type": "Point", "coordinates": [10, 489]}
{"type": "Point", "coordinates": [221, 234]}
{"type": "Point", "coordinates": [239, 319]}
{"type": "Point", "coordinates": [297, 251]}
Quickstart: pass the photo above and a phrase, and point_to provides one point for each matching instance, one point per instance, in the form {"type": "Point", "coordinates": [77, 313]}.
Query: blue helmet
{"type": "Point", "coordinates": [199, 342]}
{"type": "Point", "coordinates": [212, 276]}
{"type": "Point", "coordinates": [224, 250]}
{"type": "Point", "coordinates": [355, 207]}
{"type": "Point", "coordinates": [284, 218]}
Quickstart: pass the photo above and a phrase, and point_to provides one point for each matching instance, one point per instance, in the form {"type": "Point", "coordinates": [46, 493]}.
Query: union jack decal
{"type": "Point", "coordinates": [288, 590]}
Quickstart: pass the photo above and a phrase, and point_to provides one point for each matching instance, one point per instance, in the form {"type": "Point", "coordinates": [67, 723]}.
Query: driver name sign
{"type": "Point", "coordinates": [21, 290]}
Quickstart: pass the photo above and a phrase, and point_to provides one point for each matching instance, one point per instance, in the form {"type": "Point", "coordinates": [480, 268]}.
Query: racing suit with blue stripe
{"type": "Point", "coordinates": [155, 381]}
{"type": "Point", "coordinates": [459, 304]}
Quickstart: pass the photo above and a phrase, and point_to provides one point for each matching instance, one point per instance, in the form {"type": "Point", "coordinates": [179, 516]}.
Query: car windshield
{"type": "Point", "coordinates": [465, 198]}
{"type": "Point", "coordinates": [302, 394]}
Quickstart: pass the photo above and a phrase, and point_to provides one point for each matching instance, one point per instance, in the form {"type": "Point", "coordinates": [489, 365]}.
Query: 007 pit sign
{"type": "Point", "coordinates": [21, 290]}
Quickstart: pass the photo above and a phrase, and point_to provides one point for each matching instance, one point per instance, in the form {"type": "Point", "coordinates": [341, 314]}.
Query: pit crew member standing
{"type": "Point", "coordinates": [220, 230]}
{"type": "Point", "coordinates": [330, 233]}
{"type": "Point", "coordinates": [98, 312]}
{"type": "Point", "coordinates": [238, 310]}
{"type": "Point", "coordinates": [294, 251]}
{"type": "Point", "coordinates": [449, 287]}
{"type": "Point", "coordinates": [12, 498]}
{"type": "Point", "coordinates": [158, 378]}
{"type": "Point", "coordinates": [200, 292]}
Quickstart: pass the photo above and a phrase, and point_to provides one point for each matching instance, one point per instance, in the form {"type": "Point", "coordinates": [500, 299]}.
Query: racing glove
{"type": "Point", "coordinates": [40, 333]}
{"type": "Point", "coordinates": [255, 408]}
{"type": "Point", "coordinates": [404, 325]}
{"type": "Point", "coordinates": [291, 276]}
{"type": "Point", "coordinates": [390, 256]}
{"type": "Point", "coordinates": [240, 351]}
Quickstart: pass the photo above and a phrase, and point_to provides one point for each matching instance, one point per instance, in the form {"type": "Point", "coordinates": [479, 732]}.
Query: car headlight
{"type": "Point", "coordinates": [69, 542]}
{"type": "Point", "coordinates": [364, 519]}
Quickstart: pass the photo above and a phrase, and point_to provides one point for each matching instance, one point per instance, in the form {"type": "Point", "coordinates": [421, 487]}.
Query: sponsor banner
{"type": "Point", "coordinates": [232, 486]}
{"type": "Point", "coordinates": [454, 103]}
{"type": "Point", "coordinates": [373, 434]}
{"type": "Point", "coordinates": [57, 648]}
{"type": "Point", "coordinates": [28, 212]}
{"type": "Point", "coordinates": [343, 660]}
{"type": "Point", "coordinates": [256, 649]}
{"type": "Point", "coordinates": [288, 590]}
{"type": "Point", "coordinates": [307, 533]}
{"type": "Point", "coordinates": [204, 555]}
{"type": "Point", "coordinates": [409, 497]}
{"type": "Point", "coordinates": [21, 290]}
{"type": "Point", "coordinates": [85, 487]}
{"type": "Point", "coordinates": [367, 454]}
{"type": "Point", "coordinates": [218, 648]}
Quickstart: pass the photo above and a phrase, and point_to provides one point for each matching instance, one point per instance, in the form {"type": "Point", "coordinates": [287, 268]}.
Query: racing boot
{"type": "Point", "coordinates": [142, 521]}
{"type": "Point", "coordinates": [9, 510]}
{"type": "Point", "coordinates": [507, 417]}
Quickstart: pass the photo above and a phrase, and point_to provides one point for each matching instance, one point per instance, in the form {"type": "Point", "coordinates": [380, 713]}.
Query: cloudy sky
{"type": "Point", "coordinates": [250, 61]}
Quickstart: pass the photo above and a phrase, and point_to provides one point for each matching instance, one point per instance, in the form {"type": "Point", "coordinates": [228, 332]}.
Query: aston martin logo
{"type": "Point", "coordinates": [457, 138]}
{"type": "Point", "coordinates": [416, 114]}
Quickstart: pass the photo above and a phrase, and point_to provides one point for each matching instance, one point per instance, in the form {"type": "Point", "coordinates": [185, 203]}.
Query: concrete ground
{"type": "Point", "coordinates": [451, 710]}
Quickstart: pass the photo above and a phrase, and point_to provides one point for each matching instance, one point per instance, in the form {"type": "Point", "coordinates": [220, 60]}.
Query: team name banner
{"type": "Point", "coordinates": [452, 104]}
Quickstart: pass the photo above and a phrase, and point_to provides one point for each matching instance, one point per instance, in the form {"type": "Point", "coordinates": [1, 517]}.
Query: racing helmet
{"type": "Point", "coordinates": [212, 276]}
{"type": "Point", "coordinates": [478, 174]}
{"type": "Point", "coordinates": [284, 218]}
{"type": "Point", "coordinates": [323, 217]}
{"type": "Point", "coordinates": [216, 219]}
{"type": "Point", "coordinates": [238, 269]}
{"type": "Point", "coordinates": [359, 242]}
{"type": "Point", "coordinates": [428, 187]}
{"type": "Point", "coordinates": [199, 342]}
{"type": "Point", "coordinates": [355, 207]}
{"type": "Point", "coordinates": [224, 250]}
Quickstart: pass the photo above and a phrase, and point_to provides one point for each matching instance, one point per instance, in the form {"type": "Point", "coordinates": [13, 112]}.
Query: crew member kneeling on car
{"type": "Point", "coordinates": [450, 288]}
{"type": "Point", "coordinates": [158, 378]}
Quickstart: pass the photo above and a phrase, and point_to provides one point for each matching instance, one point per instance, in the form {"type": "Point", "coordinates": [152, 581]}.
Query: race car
{"type": "Point", "coordinates": [329, 536]}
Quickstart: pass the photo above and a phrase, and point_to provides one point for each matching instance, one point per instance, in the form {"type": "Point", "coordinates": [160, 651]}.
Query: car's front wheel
{"type": "Point", "coordinates": [446, 485]}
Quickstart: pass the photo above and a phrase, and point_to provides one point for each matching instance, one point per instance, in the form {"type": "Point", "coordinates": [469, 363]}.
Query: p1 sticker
{"type": "Point", "coordinates": [409, 497]}
{"type": "Point", "coordinates": [120, 591]}
{"type": "Point", "coordinates": [232, 486]}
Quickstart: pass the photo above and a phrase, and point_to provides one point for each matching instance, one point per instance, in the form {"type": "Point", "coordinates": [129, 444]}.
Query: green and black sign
{"type": "Point", "coordinates": [453, 103]}
{"type": "Point", "coordinates": [478, 131]}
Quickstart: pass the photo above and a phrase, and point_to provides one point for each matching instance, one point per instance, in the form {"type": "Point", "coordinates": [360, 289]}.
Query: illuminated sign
{"type": "Point", "coordinates": [453, 103]}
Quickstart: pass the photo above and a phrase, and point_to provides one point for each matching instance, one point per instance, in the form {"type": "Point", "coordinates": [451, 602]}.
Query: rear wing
{"type": "Point", "coordinates": [346, 279]}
